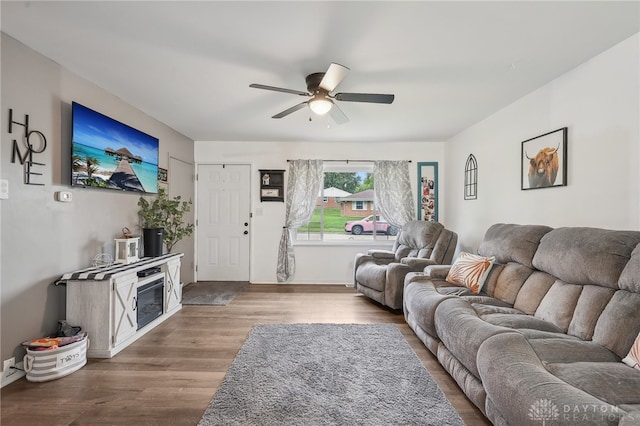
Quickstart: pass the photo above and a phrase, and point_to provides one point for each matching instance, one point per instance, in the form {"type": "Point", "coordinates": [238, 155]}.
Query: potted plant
{"type": "Point", "coordinates": [163, 222]}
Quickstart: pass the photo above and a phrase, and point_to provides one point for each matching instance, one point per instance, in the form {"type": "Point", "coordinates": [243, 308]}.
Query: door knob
{"type": "Point", "coordinates": [246, 232]}
{"type": "Point", "coordinates": [246, 224]}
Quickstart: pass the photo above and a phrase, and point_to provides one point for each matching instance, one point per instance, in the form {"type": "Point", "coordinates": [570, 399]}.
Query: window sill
{"type": "Point", "coordinates": [344, 243]}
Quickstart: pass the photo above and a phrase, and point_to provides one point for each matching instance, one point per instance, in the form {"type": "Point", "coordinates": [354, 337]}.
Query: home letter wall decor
{"type": "Point", "coordinates": [28, 138]}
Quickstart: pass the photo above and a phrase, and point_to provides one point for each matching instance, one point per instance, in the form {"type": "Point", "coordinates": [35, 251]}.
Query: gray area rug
{"type": "Point", "coordinates": [218, 293]}
{"type": "Point", "coordinates": [328, 374]}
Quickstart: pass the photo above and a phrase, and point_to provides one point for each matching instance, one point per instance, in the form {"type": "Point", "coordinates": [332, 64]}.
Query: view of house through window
{"type": "Point", "coordinates": [345, 210]}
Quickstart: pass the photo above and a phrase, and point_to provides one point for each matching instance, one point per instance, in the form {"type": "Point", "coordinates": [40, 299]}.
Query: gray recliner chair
{"type": "Point", "coordinates": [379, 274]}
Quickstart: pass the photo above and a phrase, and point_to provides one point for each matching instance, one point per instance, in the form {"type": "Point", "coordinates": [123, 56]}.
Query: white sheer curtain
{"type": "Point", "coordinates": [304, 185]}
{"type": "Point", "coordinates": [392, 193]}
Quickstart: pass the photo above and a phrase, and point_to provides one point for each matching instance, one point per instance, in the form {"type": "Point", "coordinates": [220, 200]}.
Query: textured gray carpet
{"type": "Point", "coordinates": [217, 293]}
{"type": "Point", "coordinates": [328, 374]}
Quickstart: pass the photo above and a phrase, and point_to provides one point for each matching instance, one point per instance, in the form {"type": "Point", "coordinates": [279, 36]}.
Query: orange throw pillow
{"type": "Point", "coordinates": [470, 270]}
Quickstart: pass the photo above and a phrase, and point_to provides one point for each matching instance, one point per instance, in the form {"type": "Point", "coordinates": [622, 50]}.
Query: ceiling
{"type": "Point", "coordinates": [189, 64]}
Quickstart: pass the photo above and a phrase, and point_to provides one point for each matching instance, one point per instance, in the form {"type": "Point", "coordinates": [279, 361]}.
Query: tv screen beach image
{"type": "Point", "coordinates": [109, 154]}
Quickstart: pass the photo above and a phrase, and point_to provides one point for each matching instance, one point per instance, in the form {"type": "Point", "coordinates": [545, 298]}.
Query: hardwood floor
{"type": "Point", "coordinates": [169, 376]}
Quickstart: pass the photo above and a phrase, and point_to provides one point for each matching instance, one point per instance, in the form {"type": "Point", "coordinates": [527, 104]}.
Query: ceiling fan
{"type": "Point", "coordinates": [319, 88]}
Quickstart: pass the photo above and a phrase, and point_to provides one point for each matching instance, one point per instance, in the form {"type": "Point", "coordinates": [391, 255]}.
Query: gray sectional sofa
{"type": "Point", "coordinates": [542, 342]}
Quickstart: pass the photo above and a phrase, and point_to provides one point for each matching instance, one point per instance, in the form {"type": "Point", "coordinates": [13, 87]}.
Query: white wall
{"type": "Point", "coordinates": [599, 103]}
{"type": "Point", "coordinates": [315, 264]}
{"type": "Point", "coordinates": [42, 239]}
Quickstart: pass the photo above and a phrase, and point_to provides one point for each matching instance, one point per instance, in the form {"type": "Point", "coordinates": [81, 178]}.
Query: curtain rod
{"type": "Point", "coordinates": [355, 161]}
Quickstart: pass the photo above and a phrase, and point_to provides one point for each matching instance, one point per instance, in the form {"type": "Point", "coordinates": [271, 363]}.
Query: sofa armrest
{"type": "Point", "coordinates": [437, 271]}
{"type": "Point", "coordinates": [416, 264]}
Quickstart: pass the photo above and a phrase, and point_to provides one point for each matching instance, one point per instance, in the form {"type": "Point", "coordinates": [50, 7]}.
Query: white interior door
{"type": "Point", "coordinates": [224, 226]}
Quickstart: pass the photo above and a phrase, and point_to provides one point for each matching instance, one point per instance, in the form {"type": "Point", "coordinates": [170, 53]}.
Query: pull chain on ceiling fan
{"type": "Point", "coordinates": [319, 88]}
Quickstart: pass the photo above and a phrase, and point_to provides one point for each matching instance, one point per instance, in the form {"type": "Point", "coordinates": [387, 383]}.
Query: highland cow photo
{"type": "Point", "coordinates": [544, 160]}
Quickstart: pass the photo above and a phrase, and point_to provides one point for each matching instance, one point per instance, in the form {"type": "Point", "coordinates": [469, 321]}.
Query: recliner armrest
{"type": "Point", "coordinates": [362, 258]}
{"type": "Point", "coordinates": [381, 254]}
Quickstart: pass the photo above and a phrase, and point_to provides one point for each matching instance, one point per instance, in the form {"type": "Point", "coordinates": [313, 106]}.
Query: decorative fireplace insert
{"type": "Point", "coordinates": [150, 301]}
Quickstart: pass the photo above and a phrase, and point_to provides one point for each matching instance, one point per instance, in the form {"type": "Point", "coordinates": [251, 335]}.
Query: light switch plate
{"type": "Point", "coordinates": [64, 196]}
{"type": "Point", "coordinates": [4, 189]}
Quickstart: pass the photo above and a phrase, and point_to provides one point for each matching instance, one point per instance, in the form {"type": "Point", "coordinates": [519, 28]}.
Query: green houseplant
{"type": "Point", "coordinates": [167, 214]}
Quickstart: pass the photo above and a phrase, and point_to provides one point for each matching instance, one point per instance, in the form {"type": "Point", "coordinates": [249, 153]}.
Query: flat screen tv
{"type": "Point", "coordinates": [106, 153]}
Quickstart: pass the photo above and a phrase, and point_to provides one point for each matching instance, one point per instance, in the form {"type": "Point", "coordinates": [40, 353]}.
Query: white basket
{"type": "Point", "coordinates": [42, 366]}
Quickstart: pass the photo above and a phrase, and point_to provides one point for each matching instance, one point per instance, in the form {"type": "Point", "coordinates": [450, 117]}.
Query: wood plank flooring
{"type": "Point", "coordinates": [169, 376]}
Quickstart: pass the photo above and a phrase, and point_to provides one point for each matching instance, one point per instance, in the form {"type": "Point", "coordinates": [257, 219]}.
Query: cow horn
{"type": "Point", "coordinates": [557, 148]}
{"type": "Point", "coordinates": [527, 155]}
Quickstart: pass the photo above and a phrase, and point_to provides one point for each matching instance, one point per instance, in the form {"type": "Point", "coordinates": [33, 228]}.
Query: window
{"type": "Point", "coordinates": [351, 216]}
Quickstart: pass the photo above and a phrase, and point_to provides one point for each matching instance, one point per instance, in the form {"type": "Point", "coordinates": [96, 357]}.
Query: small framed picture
{"type": "Point", "coordinates": [544, 160]}
{"type": "Point", "coordinates": [162, 175]}
{"type": "Point", "coordinates": [270, 192]}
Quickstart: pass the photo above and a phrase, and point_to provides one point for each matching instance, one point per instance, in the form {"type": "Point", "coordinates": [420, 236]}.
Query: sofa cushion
{"type": "Point", "coordinates": [558, 304]}
{"type": "Point", "coordinates": [505, 281]}
{"type": "Point", "coordinates": [630, 277]}
{"type": "Point", "coordinates": [470, 270]}
{"type": "Point", "coordinates": [619, 323]}
{"type": "Point", "coordinates": [490, 308]}
{"type": "Point", "coordinates": [512, 243]}
{"type": "Point", "coordinates": [556, 349]}
{"type": "Point", "coordinates": [533, 291]}
{"type": "Point", "coordinates": [515, 379]}
{"type": "Point", "coordinates": [484, 299]}
{"type": "Point", "coordinates": [530, 334]}
{"type": "Point", "coordinates": [586, 255]}
{"type": "Point", "coordinates": [612, 382]}
{"type": "Point", "coordinates": [633, 357]}
{"type": "Point", "coordinates": [591, 303]}
{"type": "Point", "coordinates": [521, 321]}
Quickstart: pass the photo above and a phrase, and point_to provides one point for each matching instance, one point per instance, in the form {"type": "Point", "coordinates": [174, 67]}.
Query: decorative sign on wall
{"type": "Point", "coordinates": [272, 185]}
{"type": "Point", "coordinates": [428, 191]}
{"type": "Point", "coordinates": [32, 142]}
{"type": "Point", "coordinates": [163, 175]}
{"type": "Point", "coordinates": [471, 178]}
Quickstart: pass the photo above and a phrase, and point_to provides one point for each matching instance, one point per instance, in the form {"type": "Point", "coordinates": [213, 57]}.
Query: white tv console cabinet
{"type": "Point", "coordinates": [103, 301]}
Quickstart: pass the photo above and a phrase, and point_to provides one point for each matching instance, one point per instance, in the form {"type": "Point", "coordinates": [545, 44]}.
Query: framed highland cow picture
{"type": "Point", "coordinates": [544, 160]}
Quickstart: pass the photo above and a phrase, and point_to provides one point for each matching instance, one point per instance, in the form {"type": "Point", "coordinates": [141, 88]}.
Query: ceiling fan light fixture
{"type": "Point", "coordinates": [320, 105]}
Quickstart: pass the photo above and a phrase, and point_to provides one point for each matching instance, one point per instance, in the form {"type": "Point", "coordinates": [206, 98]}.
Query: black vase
{"type": "Point", "coordinates": [152, 241]}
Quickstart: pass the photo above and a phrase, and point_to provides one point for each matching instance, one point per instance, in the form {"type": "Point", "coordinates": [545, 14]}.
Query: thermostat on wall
{"type": "Point", "coordinates": [64, 196]}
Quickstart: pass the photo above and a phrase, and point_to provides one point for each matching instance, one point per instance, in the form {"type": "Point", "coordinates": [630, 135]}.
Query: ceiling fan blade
{"type": "Point", "coordinates": [334, 75]}
{"type": "Point", "coordinates": [337, 115]}
{"type": "Point", "coordinates": [290, 110]}
{"type": "Point", "coordinates": [278, 89]}
{"type": "Point", "coordinates": [375, 98]}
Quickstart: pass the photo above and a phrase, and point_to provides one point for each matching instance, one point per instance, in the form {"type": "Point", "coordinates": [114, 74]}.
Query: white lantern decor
{"type": "Point", "coordinates": [127, 250]}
